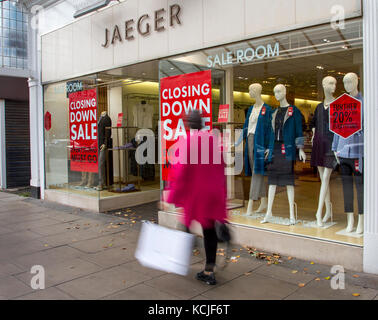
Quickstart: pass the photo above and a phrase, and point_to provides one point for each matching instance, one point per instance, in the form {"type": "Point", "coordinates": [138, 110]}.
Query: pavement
{"type": "Point", "coordinates": [88, 255]}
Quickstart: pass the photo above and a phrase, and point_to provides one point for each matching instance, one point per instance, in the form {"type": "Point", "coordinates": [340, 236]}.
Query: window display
{"type": "Point", "coordinates": [298, 174]}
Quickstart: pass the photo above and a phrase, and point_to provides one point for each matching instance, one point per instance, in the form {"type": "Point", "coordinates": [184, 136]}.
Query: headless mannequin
{"type": "Point", "coordinates": [351, 86]}
{"type": "Point", "coordinates": [255, 93]}
{"type": "Point", "coordinates": [329, 86]}
{"type": "Point", "coordinates": [103, 114]}
{"type": "Point", "coordinates": [101, 168]}
{"type": "Point", "coordinates": [280, 94]}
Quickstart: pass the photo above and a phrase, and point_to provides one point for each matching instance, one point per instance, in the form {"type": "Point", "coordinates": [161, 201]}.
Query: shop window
{"type": "Point", "coordinates": [301, 187]}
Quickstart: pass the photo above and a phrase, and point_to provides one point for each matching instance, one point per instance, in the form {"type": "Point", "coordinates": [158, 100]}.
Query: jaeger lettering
{"type": "Point", "coordinates": [143, 25]}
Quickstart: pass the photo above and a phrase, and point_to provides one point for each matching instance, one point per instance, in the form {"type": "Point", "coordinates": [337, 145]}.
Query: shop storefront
{"type": "Point", "coordinates": [110, 77]}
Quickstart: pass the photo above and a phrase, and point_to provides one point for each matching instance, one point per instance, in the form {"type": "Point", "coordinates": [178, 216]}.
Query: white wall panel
{"type": "Point", "coordinates": [268, 15]}
{"type": "Point", "coordinates": [126, 51]}
{"type": "Point", "coordinates": [48, 57]}
{"type": "Point", "coordinates": [64, 50]}
{"type": "Point", "coordinates": [82, 35]}
{"type": "Point", "coordinates": [204, 23]}
{"type": "Point", "coordinates": [320, 10]}
{"type": "Point", "coordinates": [223, 21]}
{"type": "Point", "coordinates": [188, 35]}
{"type": "Point", "coordinates": [156, 43]}
{"type": "Point", "coordinates": [102, 58]}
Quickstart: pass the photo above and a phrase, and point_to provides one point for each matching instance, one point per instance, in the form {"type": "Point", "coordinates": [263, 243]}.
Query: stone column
{"type": "Point", "coordinates": [370, 36]}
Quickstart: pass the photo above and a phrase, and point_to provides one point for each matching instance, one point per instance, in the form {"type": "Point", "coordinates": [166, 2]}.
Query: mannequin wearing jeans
{"type": "Point", "coordinates": [349, 154]}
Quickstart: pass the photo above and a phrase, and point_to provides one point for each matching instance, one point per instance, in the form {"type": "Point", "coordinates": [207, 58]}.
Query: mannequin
{"type": "Point", "coordinates": [255, 130]}
{"type": "Point", "coordinates": [349, 154]}
{"type": "Point", "coordinates": [104, 142]}
{"type": "Point", "coordinates": [286, 132]}
{"type": "Point", "coordinates": [322, 155]}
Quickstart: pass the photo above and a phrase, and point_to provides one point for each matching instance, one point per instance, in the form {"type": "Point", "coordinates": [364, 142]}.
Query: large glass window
{"type": "Point", "coordinates": [13, 35]}
{"type": "Point", "coordinates": [306, 63]}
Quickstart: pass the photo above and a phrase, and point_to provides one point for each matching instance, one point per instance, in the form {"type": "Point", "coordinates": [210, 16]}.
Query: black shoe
{"type": "Point", "coordinates": [209, 279]}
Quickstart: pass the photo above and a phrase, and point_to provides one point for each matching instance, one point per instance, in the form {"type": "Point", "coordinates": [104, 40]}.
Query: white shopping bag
{"type": "Point", "coordinates": [164, 249]}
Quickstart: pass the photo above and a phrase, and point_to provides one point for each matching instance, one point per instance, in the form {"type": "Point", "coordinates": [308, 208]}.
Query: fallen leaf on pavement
{"type": "Point", "coordinates": [312, 262]}
{"type": "Point", "coordinates": [289, 258]}
{"type": "Point", "coordinates": [356, 294]}
{"type": "Point", "coordinates": [294, 271]}
{"type": "Point", "coordinates": [356, 276]}
{"type": "Point", "coordinates": [317, 279]}
{"type": "Point", "coordinates": [301, 285]}
{"type": "Point", "coordinates": [327, 278]}
{"type": "Point", "coordinates": [247, 273]}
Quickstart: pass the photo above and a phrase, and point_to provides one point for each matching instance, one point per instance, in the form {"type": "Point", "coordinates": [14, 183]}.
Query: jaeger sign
{"type": "Point", "coordinates": [142, 25]}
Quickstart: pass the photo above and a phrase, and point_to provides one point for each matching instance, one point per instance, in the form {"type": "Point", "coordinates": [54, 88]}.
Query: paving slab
{"type": "Point", "coordinates": [252, 287]}
{"type": "Point", "coordinates": [111, 257]}
{"type": "Point", "coordinates": [19, 249]}
{"type": "Point", "coordinates": [322, 290]}
{"type": "Point", "coordinates": [62, 272]}
{"type": "Point", "coordinates": [103, 283]}
{"type": "Point", "coordinates": [27, 225]}
{"type": "Point", "coordinates": [281, 273]}
{"type": "Point", "coordinates": [10, 287]}
{"type": "Point", "coordinates": [46, 294]}
{"type": "Point", "coordinates": [11, 218]}
{"type": "Point", "coordinates": [100, 243]}
{"type": "Point", "coordinates": [137, 267]}
{"type": "Point", "coordinates": [50, 256]}
{"type": "Point", "coordinates": [17, 237]}
{"type": "Point", "coordinates": [183, 287]}
{"type": "Point", "coordinates": [141, 292]}
{"type": "Point", "coordinates": [8, 269]}
{"type": "Point", "coordinates": [69, 237]}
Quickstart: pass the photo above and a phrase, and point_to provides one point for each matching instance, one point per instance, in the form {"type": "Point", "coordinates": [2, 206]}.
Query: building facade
{"type": "Point", "coordinates": [14, 96]}
{"type": "Point", "coordinates": [99, 79]}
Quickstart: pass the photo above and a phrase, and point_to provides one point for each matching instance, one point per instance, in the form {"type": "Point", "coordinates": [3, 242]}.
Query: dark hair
{"type": "Point", "coordinates": [195, 120]}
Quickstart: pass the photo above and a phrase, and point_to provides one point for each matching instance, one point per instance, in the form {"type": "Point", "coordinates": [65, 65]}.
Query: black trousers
{"type": "Point", "coordinates": [210, 240]}
{"type": "Point", "coordinates": [349, 177]}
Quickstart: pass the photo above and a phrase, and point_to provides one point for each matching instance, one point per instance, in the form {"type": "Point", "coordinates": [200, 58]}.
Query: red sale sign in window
{"type": "Point", "coordinates": [178, 96]}
{"type": "Point", "coordinates": [223, 113]}
{"type": "Point", "coordinates": [83, 131]}
{"type": "Point", "coordinates": [345, 116]}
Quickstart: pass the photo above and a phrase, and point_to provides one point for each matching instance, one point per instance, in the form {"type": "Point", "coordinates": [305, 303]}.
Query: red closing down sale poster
{"type": "Point", "coordinates": [83, 131]}
{"type": "Point", "coordinates": [178, 96]}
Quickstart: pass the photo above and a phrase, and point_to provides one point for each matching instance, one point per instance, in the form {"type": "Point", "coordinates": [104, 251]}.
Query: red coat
{"type": "Point", "coordinates": [199, 188]}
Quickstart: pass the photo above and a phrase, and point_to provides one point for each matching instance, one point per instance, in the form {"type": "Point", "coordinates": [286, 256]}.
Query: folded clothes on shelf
{"type": "Point", "coordinates": [129, 187]}
{"type": "Point", "coordinates": [126, 146]}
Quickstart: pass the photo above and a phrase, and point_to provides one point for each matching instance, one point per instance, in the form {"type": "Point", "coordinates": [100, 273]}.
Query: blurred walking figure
{"type": "Point", "coordinates": [199, 186]}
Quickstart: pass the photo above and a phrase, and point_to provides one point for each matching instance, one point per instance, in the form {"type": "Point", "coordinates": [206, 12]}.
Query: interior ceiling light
{"type": "Point", "coordinates": [320, 67]}
{"type": "Point", "coordinates": [345, 47]}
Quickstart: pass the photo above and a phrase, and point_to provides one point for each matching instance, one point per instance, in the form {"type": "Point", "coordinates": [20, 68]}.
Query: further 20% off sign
{"type": "Point", "coordinates": [345, 116]}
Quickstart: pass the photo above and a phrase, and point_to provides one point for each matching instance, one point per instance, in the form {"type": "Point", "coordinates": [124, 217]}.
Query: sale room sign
{"type": "Point", "coordinates": [345, 116]}
{"type": "Point", "coordinates": [83, 131]}
{"type": "Point", "coordinates": [178, 96]}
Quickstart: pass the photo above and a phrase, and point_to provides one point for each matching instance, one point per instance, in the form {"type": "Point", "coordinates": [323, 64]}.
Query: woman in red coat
{"type": "Point", "coordinates": [198, 185]}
